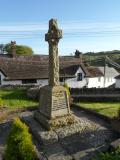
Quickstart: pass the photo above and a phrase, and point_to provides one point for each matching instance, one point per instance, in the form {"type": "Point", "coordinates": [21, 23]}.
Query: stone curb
{"type": "Point", "coordinates": [89, 111]}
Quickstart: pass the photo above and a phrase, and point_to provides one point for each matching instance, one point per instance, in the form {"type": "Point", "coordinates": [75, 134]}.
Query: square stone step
{"type": "Point", "coordinates": [43, 136]}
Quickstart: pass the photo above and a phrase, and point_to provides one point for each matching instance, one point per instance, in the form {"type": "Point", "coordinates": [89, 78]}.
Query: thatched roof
{"type": "Point", "coordinates": [36, 67]}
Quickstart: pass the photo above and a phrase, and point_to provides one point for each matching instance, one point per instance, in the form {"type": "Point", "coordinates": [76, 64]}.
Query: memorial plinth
{"type": "Point", "coordinates": [54, 109]}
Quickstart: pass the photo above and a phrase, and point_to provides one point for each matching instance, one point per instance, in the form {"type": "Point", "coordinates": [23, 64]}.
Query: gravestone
{"type": "Point", "coordinates": [54, 110]}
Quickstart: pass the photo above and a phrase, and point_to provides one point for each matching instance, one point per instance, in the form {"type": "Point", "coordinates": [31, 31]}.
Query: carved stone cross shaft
{"type": "Point", "coordinates": [53, 36]}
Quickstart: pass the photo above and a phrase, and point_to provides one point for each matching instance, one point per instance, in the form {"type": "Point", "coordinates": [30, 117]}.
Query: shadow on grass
{"type": "Point", "coordinates": [15, 94]}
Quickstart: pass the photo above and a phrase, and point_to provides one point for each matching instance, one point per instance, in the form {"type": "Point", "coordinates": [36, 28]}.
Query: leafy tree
{"type": "Point", "coordinates": [20, 49]}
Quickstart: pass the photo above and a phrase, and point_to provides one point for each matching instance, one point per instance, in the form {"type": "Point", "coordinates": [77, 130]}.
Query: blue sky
{"type": "Point", "coordinates": [88, 25]}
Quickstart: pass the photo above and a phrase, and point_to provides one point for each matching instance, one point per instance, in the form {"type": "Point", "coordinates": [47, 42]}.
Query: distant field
{"type": "Point", "coordinates": [15, 99]}
{"type": "Point", "coordinates": [109, 109]}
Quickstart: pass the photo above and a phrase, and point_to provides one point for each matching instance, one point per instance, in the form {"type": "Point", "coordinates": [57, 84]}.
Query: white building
{"type": "Point", "coordinates": [34, 70]}
{"type": "Point", "coordinates": [109, 78]}
{"type": "Point", "coordinates": [91, 77]}
{"type": "Point", "coordinates": [117, 84]}
{"type": "Point", "coordinates": [30, 69]}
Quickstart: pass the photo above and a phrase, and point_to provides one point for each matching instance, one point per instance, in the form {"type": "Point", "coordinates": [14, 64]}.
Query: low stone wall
{"type": "Point", "coordinates": [77, 91]}
{"type": "Point", "coordinates": [96, 98]}
{"type": "Point", "coordinates": [17, 86]}
{"type": "Point", "coordinates": [95, 94]}
{"type": "Point", "coordinates": [33, 93]}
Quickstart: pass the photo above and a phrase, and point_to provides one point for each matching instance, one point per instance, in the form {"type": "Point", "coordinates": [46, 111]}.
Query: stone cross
{"type": "Point", "coordinates": [53, 36]}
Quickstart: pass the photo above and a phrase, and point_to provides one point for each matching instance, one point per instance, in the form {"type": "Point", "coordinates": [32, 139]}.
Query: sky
{"type": "Point", "coordinates": [88, 25]}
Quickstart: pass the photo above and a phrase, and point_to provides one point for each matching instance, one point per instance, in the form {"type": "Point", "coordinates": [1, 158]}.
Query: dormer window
{"type": "Point", "coordinates": [79, 77]}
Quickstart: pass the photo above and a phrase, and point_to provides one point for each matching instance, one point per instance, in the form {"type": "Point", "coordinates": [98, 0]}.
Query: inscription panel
{"type": "Point", "coordinates": [45, 103]}
{"type": "Point", "coordinates": [59, 103]}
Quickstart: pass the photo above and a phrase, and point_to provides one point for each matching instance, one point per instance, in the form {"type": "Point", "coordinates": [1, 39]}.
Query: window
{"type": "Point", "coordinates": [79, 77]}
{"type": "Point", "coordinates": [29, 81]}
{"type": "Point", "coordinates": [99, 79]}
{"type": "Point", "coordinates": [62, 79]}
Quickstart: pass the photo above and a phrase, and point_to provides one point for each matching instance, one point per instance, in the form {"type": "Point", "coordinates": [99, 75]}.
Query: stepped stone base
{"type": "Point", "coordinates": [79, 141]}
{"type": "Point", "coordinates": [54, 122]}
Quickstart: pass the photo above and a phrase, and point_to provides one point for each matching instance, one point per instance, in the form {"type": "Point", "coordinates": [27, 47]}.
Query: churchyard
{"type": "Point", "coordinates": [59, 132]}
{"type": "Point", "coordinates": [16, 99]}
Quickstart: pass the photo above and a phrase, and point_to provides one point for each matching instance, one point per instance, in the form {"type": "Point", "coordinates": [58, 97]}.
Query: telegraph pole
{"type": "Point", "coordinates": [104, 70]}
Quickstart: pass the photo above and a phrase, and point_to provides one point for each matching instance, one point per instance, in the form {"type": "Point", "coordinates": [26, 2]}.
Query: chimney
{"type": "Point", "coordinates": [13, 48]}
{"type": "Point", "coordinates": [78, 54]}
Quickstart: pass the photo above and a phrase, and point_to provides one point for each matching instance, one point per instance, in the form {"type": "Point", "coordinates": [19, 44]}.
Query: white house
{"type": "Point", "coordinates": [91, 77]}
{"type": "Point", "coordinates": [109, 77]}
{"type": "Point", "coordinates": [30, 69]}
{"type": "Point", "coordinates": [83, 76]}
{"type": "Point", "coordinates": [34, 70]}
{"type": "Point", "coordinates": [117, 84]}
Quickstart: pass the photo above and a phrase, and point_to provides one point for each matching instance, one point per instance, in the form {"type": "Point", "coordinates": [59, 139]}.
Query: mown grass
{"type": "Point", "coordinates": [109, 109]}
{"type": "Point", "coordinates": [15, 99]}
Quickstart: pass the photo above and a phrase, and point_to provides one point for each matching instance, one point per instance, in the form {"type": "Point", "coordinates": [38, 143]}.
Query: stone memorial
{"type": "Point", "coordinates": [54, 109]}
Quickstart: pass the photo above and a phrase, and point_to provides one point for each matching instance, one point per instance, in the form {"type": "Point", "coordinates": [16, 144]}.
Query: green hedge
{"type": "Point", "coordinates": [114, 155]}
{"type": "Point", "coordinates": [19, 143]}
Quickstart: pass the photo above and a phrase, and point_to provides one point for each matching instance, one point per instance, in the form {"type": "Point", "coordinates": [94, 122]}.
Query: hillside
{"type": "Point", "coordinates": [98, 58]}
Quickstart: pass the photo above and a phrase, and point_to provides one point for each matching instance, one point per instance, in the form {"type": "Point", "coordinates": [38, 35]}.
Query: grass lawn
{"type": "Point", "coordinates": [109, 109]}
{"type": "Point", "coordinates": [15, 99]}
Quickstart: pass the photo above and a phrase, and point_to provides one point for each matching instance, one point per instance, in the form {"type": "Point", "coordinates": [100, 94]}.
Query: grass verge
{"type": "Point", "coordinates": [15, 99]}
{"type": "Point", "coordinates": [109, 109]}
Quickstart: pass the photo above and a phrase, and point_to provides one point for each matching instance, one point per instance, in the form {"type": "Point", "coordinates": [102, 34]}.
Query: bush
{"type": "Point", "coordinates": [68, 93]}
{"type": "Point", "coordinates": [67, 89]}
{"type": "Point", "coordinates": [1, 102]}
{"type": "Point", "coordinates": [115, 155]}
{"type": "Point", "coordinates": [19, 143]}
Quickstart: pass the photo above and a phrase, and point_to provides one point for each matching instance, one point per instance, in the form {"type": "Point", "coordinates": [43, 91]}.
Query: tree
{"type": "Point", "coordinates": [20, 49]}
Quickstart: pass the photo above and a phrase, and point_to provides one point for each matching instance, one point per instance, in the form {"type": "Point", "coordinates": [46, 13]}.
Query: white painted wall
{"type": "Point", "coordinates": [74, 83]}
{"type": "Point", "coordinates": [109, 81]}
{"type": "Point", "coordinates": [117, 84]}
{"type": "Point", "coordinates": [3, 82]}
{"type": "Point", "coordinates": [42, 82]}
{"type": "Point", "coordinates": [98, 82]}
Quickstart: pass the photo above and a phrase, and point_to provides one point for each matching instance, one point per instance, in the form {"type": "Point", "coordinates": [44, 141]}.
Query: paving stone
{"type": "Point", "coordinates": [56, 152]}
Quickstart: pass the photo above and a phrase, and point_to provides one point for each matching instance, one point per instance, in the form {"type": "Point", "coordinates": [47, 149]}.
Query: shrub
{"type": "Point", "coordinates": [115, 155]}
{"type": "Point", "coordinates": [1, 102]}
{"type": "Point", "coordinates": [68, 93]}
{"type": "Point", "coordinates": [19, 143]}
{"type": "Point", "coordinates": [67, 89]}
